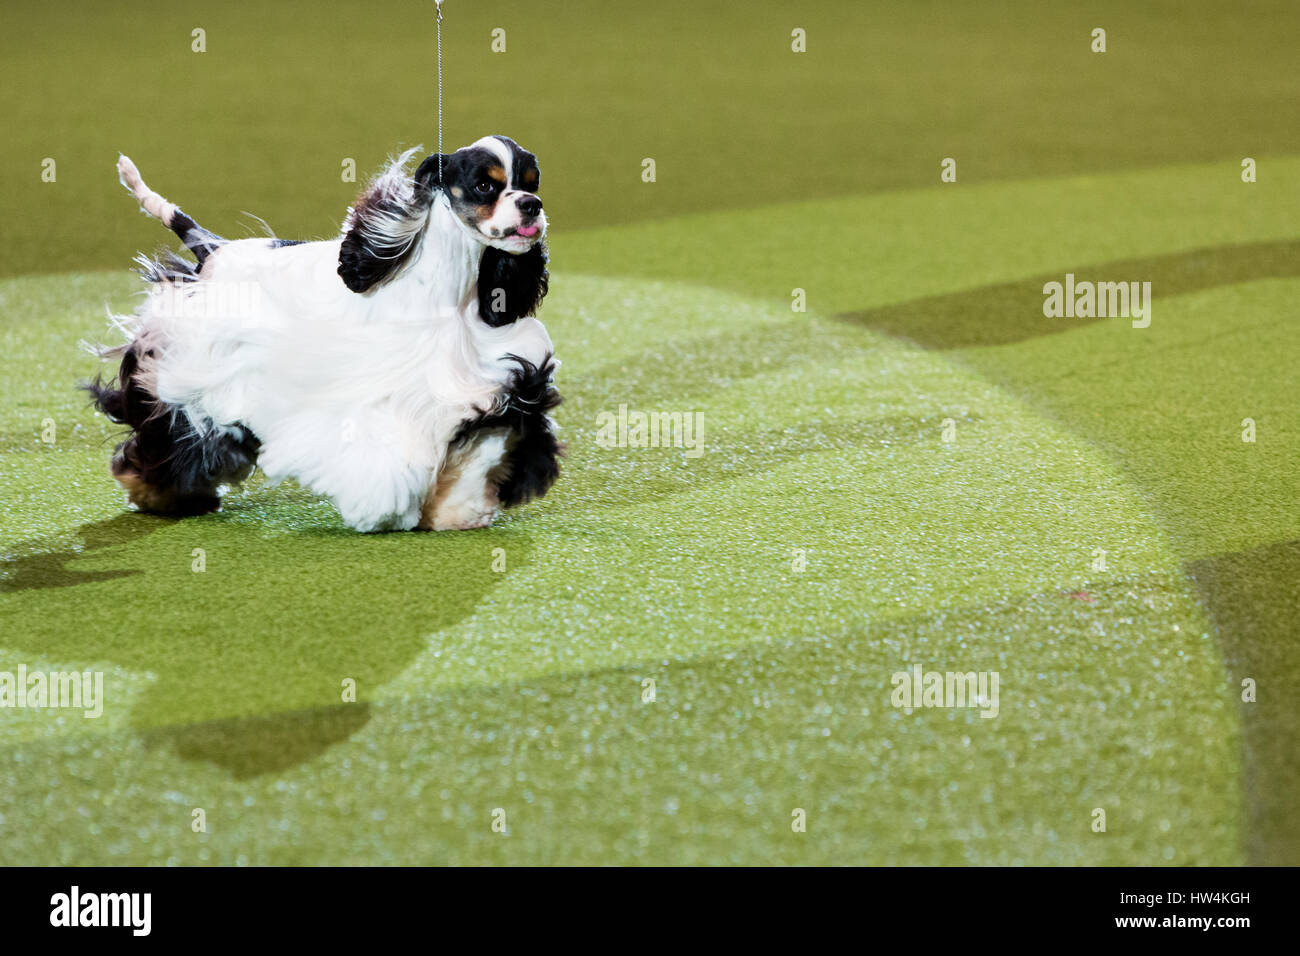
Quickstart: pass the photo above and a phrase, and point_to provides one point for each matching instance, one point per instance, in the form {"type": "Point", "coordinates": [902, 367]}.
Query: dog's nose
{"type": "Point", "coordinates": [530, 205]}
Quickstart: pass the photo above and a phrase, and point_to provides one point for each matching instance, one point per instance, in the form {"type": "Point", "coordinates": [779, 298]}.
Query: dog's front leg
{"type": "Point", "coordinates": [463, 495]}
{"type": "Point", "coordinates": [384, 490]}
{"type": "Point", "coordinates": [386, 496]}
{"type": "Point", "coordinates": [376, 478]}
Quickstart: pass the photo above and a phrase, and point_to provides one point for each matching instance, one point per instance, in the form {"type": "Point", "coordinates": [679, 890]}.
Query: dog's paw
{"type": "Point", "coordinates": [461, 519]}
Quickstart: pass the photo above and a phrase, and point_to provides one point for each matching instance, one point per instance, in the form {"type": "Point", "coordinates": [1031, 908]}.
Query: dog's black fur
{"type": "Point", "coordinates": [533, 453]}
{"type": "Point", "coordinates": [522, 279]}
{"type": "Point", "coordinates": [164, 451]}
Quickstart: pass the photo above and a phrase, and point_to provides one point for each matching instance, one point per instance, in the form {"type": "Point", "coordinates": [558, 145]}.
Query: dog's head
{"type": "Point", "coordinates": [491, 187]}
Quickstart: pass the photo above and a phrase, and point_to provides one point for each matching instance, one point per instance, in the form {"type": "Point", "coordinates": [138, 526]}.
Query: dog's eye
{"type": "Point", "coordinates": [484, 187]}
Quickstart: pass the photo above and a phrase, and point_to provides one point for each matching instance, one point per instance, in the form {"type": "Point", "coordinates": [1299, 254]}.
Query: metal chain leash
{"type": "Point", "coordinates": [438, 3]}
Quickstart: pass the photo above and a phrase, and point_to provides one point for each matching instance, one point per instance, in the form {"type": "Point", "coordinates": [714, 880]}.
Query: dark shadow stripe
{"type": "Point", "coordinates": [26, 567]}
{"type": "Point", "coordinates": [1253, 598]}
{"type": "Point", "coordinates": [1013, 311]}
{"type": "Point", "coordinates": [265, 743]}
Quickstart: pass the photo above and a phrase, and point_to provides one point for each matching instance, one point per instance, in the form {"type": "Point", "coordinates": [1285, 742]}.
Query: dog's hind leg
{"type": "Point", "coordinates": [166, 465]}
{"type": "Point", "coordinates": [197, 239]}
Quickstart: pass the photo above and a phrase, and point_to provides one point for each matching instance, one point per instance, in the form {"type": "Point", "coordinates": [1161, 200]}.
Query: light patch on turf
{"type": "Point", "coordinates": [122, 689]}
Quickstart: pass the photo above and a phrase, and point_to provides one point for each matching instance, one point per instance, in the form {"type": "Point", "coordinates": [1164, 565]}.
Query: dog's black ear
{"type": "Point", "coordinates": [359, 268]}
{"type": "Point", "coordinates": [427, 174]}
{"type": "Point", "coordinates": [384, 227]}
{"type": "Point", "coordinates": [510, 287]}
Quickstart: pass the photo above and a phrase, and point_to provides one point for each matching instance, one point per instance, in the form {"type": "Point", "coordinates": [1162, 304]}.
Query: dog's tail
{"type": "Point", "coordinates": [197, 239]}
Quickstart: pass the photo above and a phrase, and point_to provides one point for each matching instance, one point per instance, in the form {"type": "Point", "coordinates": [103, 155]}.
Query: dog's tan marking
{"type": "Point", "coordinates": [150, 201]}
{"type": "Point", "coordinates": [144, 496]}
{"type": "Point", "coordinates": [452, 505]}
{"type": "Point", "coordinates": [438, 515]}
{"type": "Point", "coordinates": [435, 498]}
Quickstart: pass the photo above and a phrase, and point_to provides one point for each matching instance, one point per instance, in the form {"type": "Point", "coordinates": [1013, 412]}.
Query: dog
{"type": "Point", "coordinates": [398, 369]}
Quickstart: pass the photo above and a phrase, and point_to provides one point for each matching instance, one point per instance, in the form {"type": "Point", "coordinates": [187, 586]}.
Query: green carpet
{"type": "Point", "coordinates": [828, 537]}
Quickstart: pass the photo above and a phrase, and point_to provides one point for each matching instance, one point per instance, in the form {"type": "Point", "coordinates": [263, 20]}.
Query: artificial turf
{"type": "Point", "coordinates": [522, 688]}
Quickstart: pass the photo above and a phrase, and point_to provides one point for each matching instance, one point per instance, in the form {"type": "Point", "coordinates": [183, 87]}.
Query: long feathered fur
{"type": "Point", "coordinates": [353, 365]}
{"type": "Point", "coordinates": [381, 231]}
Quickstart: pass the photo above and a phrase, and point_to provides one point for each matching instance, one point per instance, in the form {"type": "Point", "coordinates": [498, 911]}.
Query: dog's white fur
{"type": "Point", "coordinates": [357, 396]}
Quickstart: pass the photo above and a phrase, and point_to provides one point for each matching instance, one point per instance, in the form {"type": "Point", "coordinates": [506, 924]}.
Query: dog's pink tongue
{"type": "Point", "coordinates": [529, 231]}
